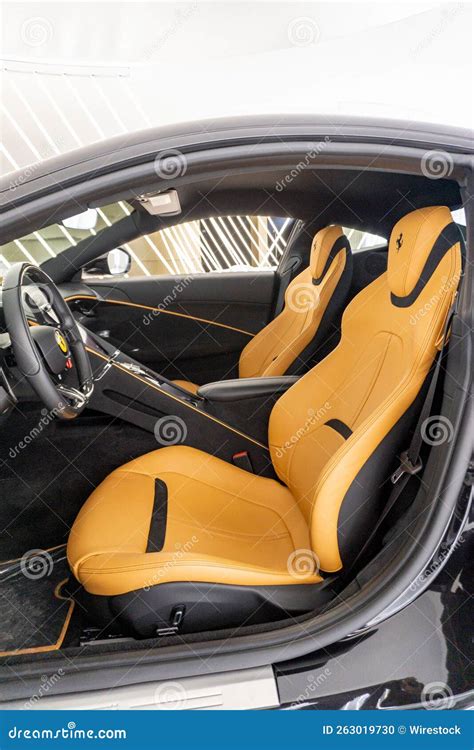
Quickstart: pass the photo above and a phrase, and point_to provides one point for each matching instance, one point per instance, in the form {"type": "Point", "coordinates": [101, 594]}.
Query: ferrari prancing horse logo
{"type": "Point", "coordinates": [61, 341]}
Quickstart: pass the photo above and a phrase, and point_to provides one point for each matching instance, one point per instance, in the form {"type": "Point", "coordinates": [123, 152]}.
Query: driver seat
{"type": "Point", "coordinates": [181, 540]}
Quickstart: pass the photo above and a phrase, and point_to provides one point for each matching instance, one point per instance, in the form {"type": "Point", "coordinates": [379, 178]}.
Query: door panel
{"type": "Point", "coordinates": [190, 327]}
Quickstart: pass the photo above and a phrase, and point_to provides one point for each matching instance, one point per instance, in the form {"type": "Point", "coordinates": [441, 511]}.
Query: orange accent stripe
{"type": "Point", "coordinates": [58, 644]}
{"type": "Point", "coordinates": [48, 549]}
{"type": "Point", "coordinates": [175, 398]}
{"type": "Point", "coordinates": [159, 311]}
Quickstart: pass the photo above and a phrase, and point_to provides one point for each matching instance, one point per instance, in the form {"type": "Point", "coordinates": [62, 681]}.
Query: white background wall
{"type": "Point", "coordinates": [76, 72]}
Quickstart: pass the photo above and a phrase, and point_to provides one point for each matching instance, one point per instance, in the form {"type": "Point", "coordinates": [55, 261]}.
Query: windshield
{"type": "Point", "coordinates": [54, 239]}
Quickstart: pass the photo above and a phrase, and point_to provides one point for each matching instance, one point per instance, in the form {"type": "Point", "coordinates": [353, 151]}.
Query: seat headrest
{"type": "Point", "coordinates": [326, 245]}
{"type": "Point", "coordinates": [417, 244]}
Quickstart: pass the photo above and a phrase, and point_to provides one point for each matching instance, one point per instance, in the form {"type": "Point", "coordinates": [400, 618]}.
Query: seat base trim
{"type": "Point", "coordinates": [208, 606]}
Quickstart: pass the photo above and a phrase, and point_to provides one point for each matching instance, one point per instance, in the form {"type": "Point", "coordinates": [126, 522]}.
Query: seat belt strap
{"type": "Point", "coordinates": [410, 461]}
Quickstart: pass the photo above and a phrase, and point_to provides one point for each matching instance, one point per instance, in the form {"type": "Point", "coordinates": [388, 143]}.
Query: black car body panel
{"type": "Point", "coordinates": [421, 657]}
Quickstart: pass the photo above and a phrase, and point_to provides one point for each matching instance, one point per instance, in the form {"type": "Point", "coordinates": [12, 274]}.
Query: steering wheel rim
{"type": "Point", "coordinates": [63, 401]}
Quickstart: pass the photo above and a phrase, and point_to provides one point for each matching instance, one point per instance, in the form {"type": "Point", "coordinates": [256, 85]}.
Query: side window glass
{"type": "Point", "coordinates": [363, 240]}
{"type": "Point", "coordinates": [213, 245]}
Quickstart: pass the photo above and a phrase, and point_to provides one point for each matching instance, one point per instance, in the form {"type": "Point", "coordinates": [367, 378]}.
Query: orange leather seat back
{"type": "Point", "coordinates": [327, 433]}
{"type": "Point", "coordinates": [277, 346]}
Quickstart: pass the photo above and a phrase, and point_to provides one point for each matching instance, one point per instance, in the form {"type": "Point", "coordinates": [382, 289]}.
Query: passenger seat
{"type": "Point", "coordinates": [314, 302]}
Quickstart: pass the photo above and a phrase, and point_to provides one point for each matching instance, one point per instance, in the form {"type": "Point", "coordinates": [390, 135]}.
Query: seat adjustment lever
{"type": "Point", "coordinates": [176, 620]}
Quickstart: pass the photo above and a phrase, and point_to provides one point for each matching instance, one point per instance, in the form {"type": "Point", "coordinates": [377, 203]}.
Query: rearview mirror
{"type": "Point", "coordinates": [114, 263]}
{"type": "Point", "coordinates": [85, 220]}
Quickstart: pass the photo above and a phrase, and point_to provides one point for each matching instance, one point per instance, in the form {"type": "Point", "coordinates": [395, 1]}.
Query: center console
{"type": "Point", "coordinates": [227, 418]}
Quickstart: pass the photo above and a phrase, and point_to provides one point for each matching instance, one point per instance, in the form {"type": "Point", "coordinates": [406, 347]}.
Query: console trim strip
{"type": "Point", "coordinates": [175, 398]}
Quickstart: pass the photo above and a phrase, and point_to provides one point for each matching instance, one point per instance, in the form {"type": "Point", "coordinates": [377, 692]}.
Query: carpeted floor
{"type": "Point", "coordinates": [48, 472]}
{"type": "Point", "coordinates": [34, 613]}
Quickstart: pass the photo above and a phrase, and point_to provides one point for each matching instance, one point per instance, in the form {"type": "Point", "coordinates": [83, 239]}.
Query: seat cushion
{"type": "Point", "coordinates": [222, 525]}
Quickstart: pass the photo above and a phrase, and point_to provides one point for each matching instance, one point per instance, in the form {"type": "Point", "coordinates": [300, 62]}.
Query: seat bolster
{"type": "Point", "coordinates": [116, 516]}
{"type": "Point", "coordinates": [118, 573]}
{"type": "Point", "coordinates": [344, 468]}
{"type": "Point", "coordinates": [187, 385]}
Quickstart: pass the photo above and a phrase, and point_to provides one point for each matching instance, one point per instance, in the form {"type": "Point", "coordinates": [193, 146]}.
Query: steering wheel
{"type": "Point", "coordinates": [44, 353]}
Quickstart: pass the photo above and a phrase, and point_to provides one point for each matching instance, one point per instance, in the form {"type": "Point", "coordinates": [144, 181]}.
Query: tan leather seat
{"type": "Point", "coordinates": [179, 515]}
{"type": "Point", "coordinates": [228, 526]}
{"type": "Point", "coordinates": [278, 346]}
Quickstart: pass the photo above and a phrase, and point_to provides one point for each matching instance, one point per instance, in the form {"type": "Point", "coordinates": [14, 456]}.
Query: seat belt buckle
{"type": "Point", "coordinates": [242, 460]}
{"type": "Point", "coordinates": [406, 467]}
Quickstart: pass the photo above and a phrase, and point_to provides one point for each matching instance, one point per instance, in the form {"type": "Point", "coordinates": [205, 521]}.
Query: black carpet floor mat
{"type": "Point", "coordinates": [46, 479]}
{"type": "Point", "coordinates": [34, 613]}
